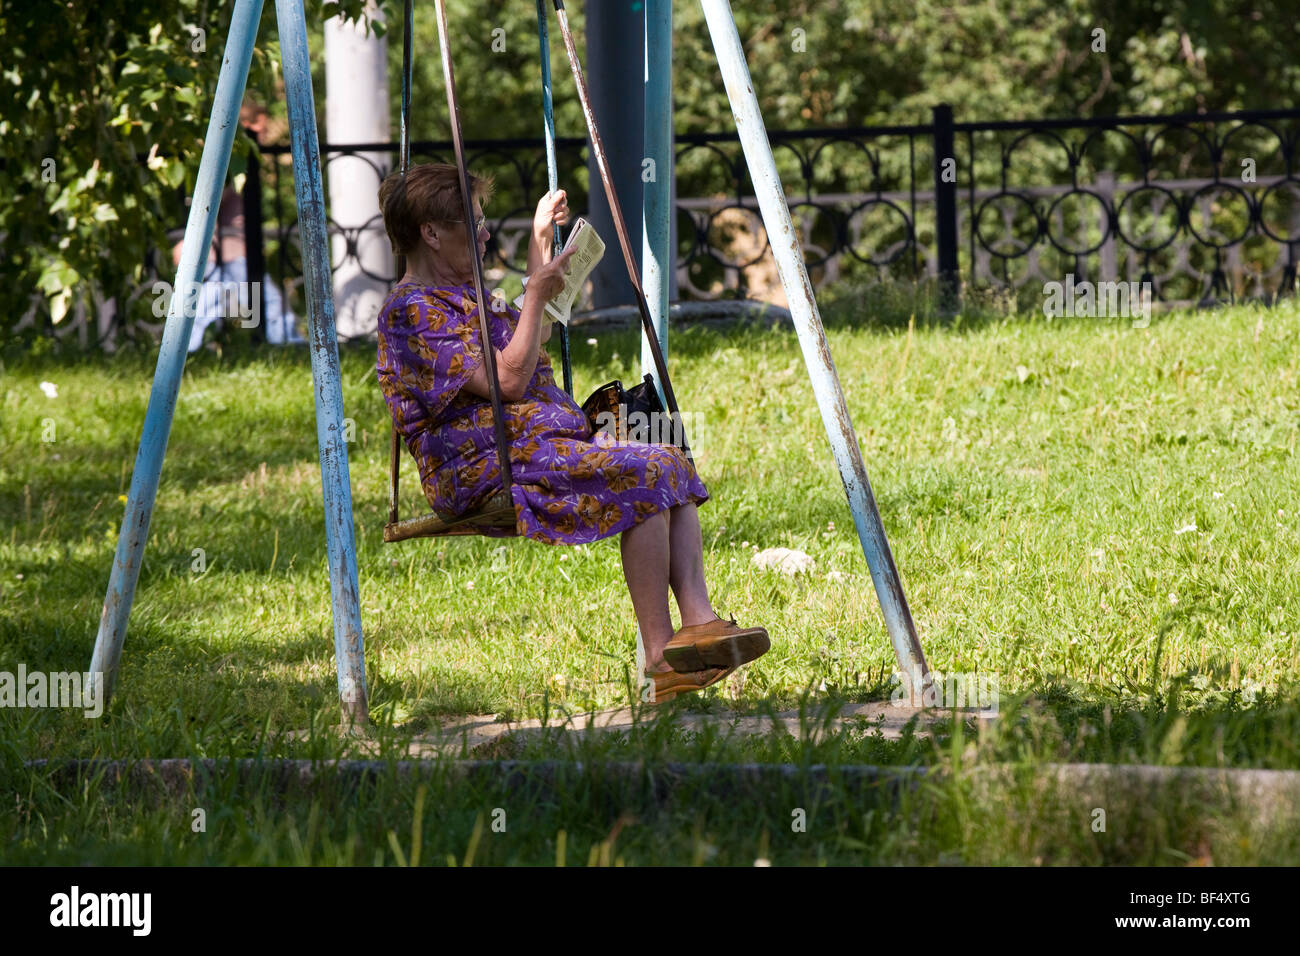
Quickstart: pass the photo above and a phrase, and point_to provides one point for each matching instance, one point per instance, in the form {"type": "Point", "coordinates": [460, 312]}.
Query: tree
{"type": "Point", "coordinates": [103, 108]}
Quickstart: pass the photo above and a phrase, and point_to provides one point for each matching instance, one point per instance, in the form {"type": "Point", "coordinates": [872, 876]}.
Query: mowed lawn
{"type": "Point", "coordinates": [1079, 507]}
{"type": "Point", "coordinates": [1103, 517]}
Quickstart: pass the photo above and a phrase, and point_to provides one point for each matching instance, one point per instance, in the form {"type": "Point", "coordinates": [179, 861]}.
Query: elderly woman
{"type": "Point", "coordinates": [570, 485]}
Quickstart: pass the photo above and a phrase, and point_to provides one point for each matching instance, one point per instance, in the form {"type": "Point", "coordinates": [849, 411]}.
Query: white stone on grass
{"type": "Point", "coordinates": [784, 560]}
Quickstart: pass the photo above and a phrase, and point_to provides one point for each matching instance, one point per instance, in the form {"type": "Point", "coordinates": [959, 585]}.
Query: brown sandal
{"type": "Point", "coordinates": [668, 685]}
{"type": "Point", "coordinates": [716, 643]}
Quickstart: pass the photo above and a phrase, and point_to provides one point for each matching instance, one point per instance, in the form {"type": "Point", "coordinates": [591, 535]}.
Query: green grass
{"type": "Point", "coordinates": [1104, 517]}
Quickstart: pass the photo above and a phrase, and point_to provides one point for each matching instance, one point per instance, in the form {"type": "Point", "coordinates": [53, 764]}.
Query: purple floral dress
{"type": "Point", "coordinates": [570, 486]}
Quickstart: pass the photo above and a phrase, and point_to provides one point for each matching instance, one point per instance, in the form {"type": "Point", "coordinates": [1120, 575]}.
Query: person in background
{"type": "Point", "coordinates": [226, 293]}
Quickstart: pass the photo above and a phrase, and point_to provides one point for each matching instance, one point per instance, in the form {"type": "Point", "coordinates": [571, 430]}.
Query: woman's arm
{"type": "Point", "coordinates": [518, 360]}
{"type": "Point", "coordinates": [551, 209]}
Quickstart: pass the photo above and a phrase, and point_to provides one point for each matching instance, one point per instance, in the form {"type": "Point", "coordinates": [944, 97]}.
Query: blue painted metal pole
{"type": "Point", "coordinates": [336, 485]}
{"type": "Point", "coordinates": [552, 169]}
{"type": "Point", "coordinates": [656, 209]}
{"type": "Point", "coordinates": [612, 48]}
{"type": "Point", "coordinates": [175, 341]}
{"type": "Point", "coordinates": [657, 192]}
{"type": "Point", "coordinates": [601, 160]}
{"type": "Point", "coordinates": [408, 39]}
{"type": "Point", "coordinates": [812, 338]}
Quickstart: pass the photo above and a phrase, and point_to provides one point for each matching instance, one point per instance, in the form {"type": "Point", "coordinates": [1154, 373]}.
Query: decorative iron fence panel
{"type": "Point", "coordinates": [1204, 207]}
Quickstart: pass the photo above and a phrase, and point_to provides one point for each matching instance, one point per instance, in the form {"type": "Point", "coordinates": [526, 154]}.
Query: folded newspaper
{"type": "Point", "coordinates": [588, 250]}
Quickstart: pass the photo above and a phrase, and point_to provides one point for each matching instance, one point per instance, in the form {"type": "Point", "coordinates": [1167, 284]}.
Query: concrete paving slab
{"type": "Point", "coordinates": [484, 735]}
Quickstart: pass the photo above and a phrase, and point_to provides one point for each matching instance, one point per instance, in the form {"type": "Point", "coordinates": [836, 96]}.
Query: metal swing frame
{"type": "Point", "coordinates": [327, 388]}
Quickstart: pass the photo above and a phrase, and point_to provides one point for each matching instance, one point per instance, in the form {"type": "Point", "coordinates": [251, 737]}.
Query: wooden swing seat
{"type": "Point", "coordinates": [497, 512]}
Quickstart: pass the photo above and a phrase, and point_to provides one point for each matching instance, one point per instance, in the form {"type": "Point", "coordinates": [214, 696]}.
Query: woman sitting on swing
{"type": "Point", "coordinates": [570, 485]}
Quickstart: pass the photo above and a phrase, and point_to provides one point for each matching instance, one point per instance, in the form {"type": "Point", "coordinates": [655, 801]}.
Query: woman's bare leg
{"type": "Point", "coordinates": [644, 549]}
{"type": "Point", "coordinates": [663, 551]}
{"type": "Point", "coordinates": [686, 565]}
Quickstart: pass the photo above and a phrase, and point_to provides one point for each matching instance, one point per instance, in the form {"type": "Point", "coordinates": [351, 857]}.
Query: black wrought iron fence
{"type": "Point", "coordinates": [1204, 207]}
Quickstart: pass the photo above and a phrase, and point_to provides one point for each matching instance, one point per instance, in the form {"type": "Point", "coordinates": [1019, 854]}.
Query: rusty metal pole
{"type": "Point", "coordinates": [812, 338]}
{"type": "Point", "coordinates": [471, 237]}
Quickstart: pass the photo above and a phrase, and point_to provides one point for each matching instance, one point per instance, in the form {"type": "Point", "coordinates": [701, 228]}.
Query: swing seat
{"type": "Point", "coordinates": [497, 512]}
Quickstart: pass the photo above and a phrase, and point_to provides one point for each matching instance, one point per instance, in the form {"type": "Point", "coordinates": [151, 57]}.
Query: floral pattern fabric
{"type": "Point", "coordinates": [570, 486]}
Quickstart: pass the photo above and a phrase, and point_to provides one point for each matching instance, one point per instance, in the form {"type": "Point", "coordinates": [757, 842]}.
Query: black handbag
{"type": "Point", "coordinates": [630, 414]}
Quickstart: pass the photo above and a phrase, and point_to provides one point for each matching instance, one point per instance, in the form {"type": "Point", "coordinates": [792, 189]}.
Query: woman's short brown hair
{"type": "Point", "coordinates": [429, 192]}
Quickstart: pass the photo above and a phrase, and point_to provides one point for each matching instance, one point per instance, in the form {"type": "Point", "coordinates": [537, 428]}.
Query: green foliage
{"type": "Point", "coordinates": [103, 110]}
{"type": "Point", "coordinates": [510, 104]}
{"type": "Point", "coordinates": [889, 61]}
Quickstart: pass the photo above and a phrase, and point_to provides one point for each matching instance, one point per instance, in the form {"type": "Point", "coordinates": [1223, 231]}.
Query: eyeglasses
{"type": "Point", "coordinates": [479, 223]}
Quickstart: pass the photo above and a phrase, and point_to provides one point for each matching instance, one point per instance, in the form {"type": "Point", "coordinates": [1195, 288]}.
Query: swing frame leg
{"type": "Point", "coordinates": [327, 389]}
{"type": "Point", "coordinates": [202, 222]}
{"type": "Point", "coordinates": [812, 338]}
